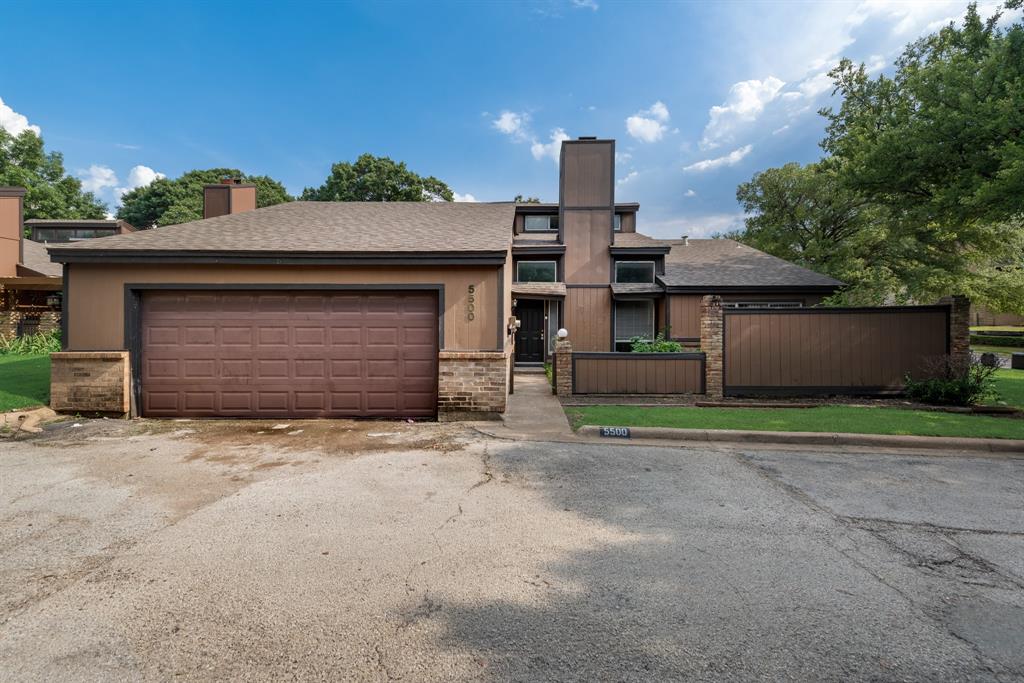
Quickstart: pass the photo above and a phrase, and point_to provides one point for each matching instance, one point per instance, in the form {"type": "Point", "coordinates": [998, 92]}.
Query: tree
{"type": "Point", "coordinates": [529, 200]}
{"type": "Point", "coordinates": [377, 179]}
{"type": "Point", "coordinates": [50, 192]}
{"type": "Point", "coordinates": [169, 202]}
{"type": "Point", "coordinates": [922, 191]}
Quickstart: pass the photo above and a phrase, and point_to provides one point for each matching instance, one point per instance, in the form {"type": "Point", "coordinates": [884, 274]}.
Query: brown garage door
{"type": "Point", "coordinates": [289, 354]}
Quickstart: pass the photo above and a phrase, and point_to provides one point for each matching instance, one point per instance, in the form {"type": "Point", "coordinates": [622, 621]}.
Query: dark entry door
{"type": "Point", "coordinates": [530, 335]}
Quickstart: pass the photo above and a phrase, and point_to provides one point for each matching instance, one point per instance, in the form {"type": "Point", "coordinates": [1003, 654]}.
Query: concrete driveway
{"type": "Point", "coordinates": [379, 551]}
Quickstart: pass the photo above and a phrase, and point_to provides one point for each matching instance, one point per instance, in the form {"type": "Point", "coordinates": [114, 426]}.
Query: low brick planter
{"type": "Point", "coordinates": [472, 385]}
{"type": "Point", "coordinates": [90, 382]}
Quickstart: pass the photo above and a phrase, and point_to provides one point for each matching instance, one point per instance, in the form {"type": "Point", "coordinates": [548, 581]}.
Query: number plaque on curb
{"type": "Point", "coordinates": [615, 432]}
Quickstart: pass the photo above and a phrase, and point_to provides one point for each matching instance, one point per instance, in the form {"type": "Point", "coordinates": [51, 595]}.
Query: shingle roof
{"type": "Point", "coordinates": [636, 288]}
{"type": "Point", "coordinates": [35, 258]}
{"type": "Point", "coordinates": [636, 239]}
{"type": "Point", "coordinates": [556, 289]}
{"type": "Point", "coordinates": [328, 227]}
{"type": "Point", "coordinates": [727, 263]}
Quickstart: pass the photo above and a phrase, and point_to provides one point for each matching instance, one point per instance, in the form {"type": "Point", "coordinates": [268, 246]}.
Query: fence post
{"type": "Point", "coordinates": [563, 367]}
{"type": "Point", "coordinates": [712, 341]}
{"type": "Point", "coordinates": [959, 327]}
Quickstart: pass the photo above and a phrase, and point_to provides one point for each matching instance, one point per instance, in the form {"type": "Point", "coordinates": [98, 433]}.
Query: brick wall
{"type": "Point", "coordinates": [959, 327]}
{"type": "Point", "coordinates": [712, 339]}
{"type": "Point", "coordinates": [90, 382]}
{"type": "Point", "coordinates": [48, 321]}
{"type": "Point", "coordinates": [563, 367]}
{"type": "Point", "coordinates": [472, 384]}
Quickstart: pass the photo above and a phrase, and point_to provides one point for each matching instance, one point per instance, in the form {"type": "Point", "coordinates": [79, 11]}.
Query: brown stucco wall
{"type": "Point", "coordinates": [96, 295]}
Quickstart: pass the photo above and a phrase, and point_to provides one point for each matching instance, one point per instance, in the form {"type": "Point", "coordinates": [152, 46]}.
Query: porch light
{"type": "Point", "coordinates": [562, 333]}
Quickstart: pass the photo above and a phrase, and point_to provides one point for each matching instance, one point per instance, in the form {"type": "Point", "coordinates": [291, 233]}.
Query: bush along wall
{"type": "Point", "coordinates": [997, 340]}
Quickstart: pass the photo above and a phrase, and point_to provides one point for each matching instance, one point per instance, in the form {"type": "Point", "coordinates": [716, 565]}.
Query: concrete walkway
{"type": "Point", "coordinates": [533, 412]}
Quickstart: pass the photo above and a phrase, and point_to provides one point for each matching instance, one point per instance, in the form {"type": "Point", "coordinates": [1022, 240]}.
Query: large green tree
{"type": "Point", "coordinates": [377, 179]}
{"type": "Point", "coordinates": [927, 166]}
{"type": "Point", "coordinates": [168, 201]}
{"type": "Point", "coordinates": [50, 192]}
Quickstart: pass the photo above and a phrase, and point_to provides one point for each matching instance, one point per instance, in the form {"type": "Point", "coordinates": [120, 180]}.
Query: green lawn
{"type": "Point", "coordinates": [1003, 350]}
{"type": "Point", "coordinates": [845, 419]}
{"type": "Point", "coordinates": [1010, 385]}
{"type": "Point", "coordinates": [997, 328]}
{"type": "Point", "coordinates": [24, 381]}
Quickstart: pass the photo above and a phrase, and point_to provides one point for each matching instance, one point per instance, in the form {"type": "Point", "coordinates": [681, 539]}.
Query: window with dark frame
{"type": "Point", "coordinates": [617, 222]}
{"type": "Point", "coordinates": [536, 271]}
{"type": "Point", "coordinates": [634, 271]}
{"type": "Point", "coordinates": [762, 304]}
{"type": "Point", "coordinates": [633, 319]}
{"type": "Point", "coordinates": [540, 223]}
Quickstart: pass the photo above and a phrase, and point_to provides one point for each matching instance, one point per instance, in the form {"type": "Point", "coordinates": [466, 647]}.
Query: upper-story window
{"type": "Point", "coordinates": [617, 222]}
{"type": "Point", "coordinates": [539, 223]}
{"type": "Point", "coordinates": [536, 271]}
{"type": "Point", "coordinates": [634, 271]}
{"type": "Point", "coordinates": [68, 235]}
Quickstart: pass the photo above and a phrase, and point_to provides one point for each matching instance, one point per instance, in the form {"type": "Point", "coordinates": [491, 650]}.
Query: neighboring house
{"type": "Point", "coordinates": [329, 309]}
{"type": "Point", "coordinates": [60, 231]}
{"type": "Point", "coordinates": [30, 283]}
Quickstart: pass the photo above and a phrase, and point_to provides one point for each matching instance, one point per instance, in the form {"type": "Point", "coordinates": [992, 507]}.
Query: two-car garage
{"type": "Point", "coordinates": [288, 353]}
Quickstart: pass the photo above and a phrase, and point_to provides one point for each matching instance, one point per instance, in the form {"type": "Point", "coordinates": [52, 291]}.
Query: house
{"type": "Point", "coordinates": [312, 309]}
{"type": "Point", "coordinates": [59, 231]}
{"type": "Point", "coordinates": [31, 285]}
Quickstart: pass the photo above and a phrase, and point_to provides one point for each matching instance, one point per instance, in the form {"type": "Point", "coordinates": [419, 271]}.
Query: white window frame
{"type": "Point", "coordinates": [534, 261]}
{"type": "Point", "coordinates": [548, 218]}
{"type": "Point", "coordinates": [762, 304]}
{"type": "Point", "coordinates": [650, 306]}
{"type": "Point", "coordinates": [654, 271]}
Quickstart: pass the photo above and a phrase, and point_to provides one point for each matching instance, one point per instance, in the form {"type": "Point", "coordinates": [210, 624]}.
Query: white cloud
{"type": "Point", "coordinates": [121, 145]}
{"type": "Point", "coordinates": [551, 149]}
{"type": "Point", "coordinates": [13, 122]}
{"type": "Point", "coordinates": [629, 176]}
{"type": "Point", "coordinates": [464, 197]}
{"type": "Point", "coordinates": [698, 227]}
{"type": "Point", "coordinates": [97, 178]}
{"type": "Point", "coordinates": [585, 4]}
{"type": "Point", "coordinates": [648, 125]}
{"type": "Point", "coordinates": [515, 125]}
{"type": "Point", "coordinates": [730, 159]}
{"type": "Point", "coordinates": [622, 157]}
{"type": "Point", "coordinates": [689, 193]}
{"type": "Point", "coordinates": [814, 85]}
{"type": "Point", "coordinates": [745, 103]}
{"type": "Point", "coordinates": [139, 176]}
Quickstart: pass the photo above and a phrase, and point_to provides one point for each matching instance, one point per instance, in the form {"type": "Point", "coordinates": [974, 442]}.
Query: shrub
{"type": "Point", "coordinates": [31, 345]}
{"type": "Point", "coordinates": [997, 340]}
{"type": "Point", "coordinates": [658, 345]}
{"type": "Point", "coordinates": [950, 382]}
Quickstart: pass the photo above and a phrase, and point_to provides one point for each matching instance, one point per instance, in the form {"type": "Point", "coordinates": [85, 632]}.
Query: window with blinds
{"type": "Point", "coordinates": [634, 319]}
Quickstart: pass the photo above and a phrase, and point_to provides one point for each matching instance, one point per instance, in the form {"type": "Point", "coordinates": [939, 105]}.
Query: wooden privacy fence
{"type": "Point", "coordinates": [830, 350]}
{"type": "Point", "coordinates": [637, 373]}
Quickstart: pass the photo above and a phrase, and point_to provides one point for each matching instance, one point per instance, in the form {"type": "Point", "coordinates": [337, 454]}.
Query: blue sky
{"type": "Point", "coordinates": [698, 96]}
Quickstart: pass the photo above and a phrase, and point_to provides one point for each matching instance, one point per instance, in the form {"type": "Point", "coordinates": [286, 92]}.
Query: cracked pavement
{"type": "Point", "coordinates": [374, 551]}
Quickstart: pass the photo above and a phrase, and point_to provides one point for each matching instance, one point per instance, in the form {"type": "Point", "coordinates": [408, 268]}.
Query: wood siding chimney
{"type": "Point", "coordinates": [229, 196]}
{"type": "Point", "coordinates": [12, 228]}
{"type": "Point", "coordinates": [587, 208]}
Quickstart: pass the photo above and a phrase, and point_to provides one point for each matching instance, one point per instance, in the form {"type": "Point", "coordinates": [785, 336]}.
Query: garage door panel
{"type": "Point", "coordinates": [301, 354]}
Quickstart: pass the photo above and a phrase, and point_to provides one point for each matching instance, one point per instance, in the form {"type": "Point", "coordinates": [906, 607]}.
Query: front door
{"type": "Point", "coordinates": [530, 335]}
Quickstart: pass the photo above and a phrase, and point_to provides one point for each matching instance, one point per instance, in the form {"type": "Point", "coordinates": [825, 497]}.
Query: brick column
{"type": "Point", "coordinates": [712, 339]}
{"type": "Point", "coordinates": [563, 367]}
{"type": "Point", "coordinates": [959, 327]}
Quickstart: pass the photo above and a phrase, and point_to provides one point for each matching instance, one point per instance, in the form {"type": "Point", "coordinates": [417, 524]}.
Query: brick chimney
{"type": "Point", "coordinates": [228, 196]}
{"type": "Point", "coordinates": [12, 227]}
{"type": "Point", "coordinates": [586, 199]}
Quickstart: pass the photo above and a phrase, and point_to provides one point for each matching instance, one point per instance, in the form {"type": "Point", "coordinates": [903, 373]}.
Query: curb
{"type": "Point", "coordinates": [812, 438]}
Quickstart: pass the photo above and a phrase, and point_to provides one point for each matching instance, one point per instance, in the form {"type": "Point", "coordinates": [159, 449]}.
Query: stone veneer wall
{"type": "Point", "coordinates": [90, 382]}
{"type": "Point", "coordinates": [48, 321]}
{"type": "Point", "coordinates": [712, 341]}
{"type": "Point", "coordinates": [472, 384]}
{"type": "Point", "coordinates": [959, 327]}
